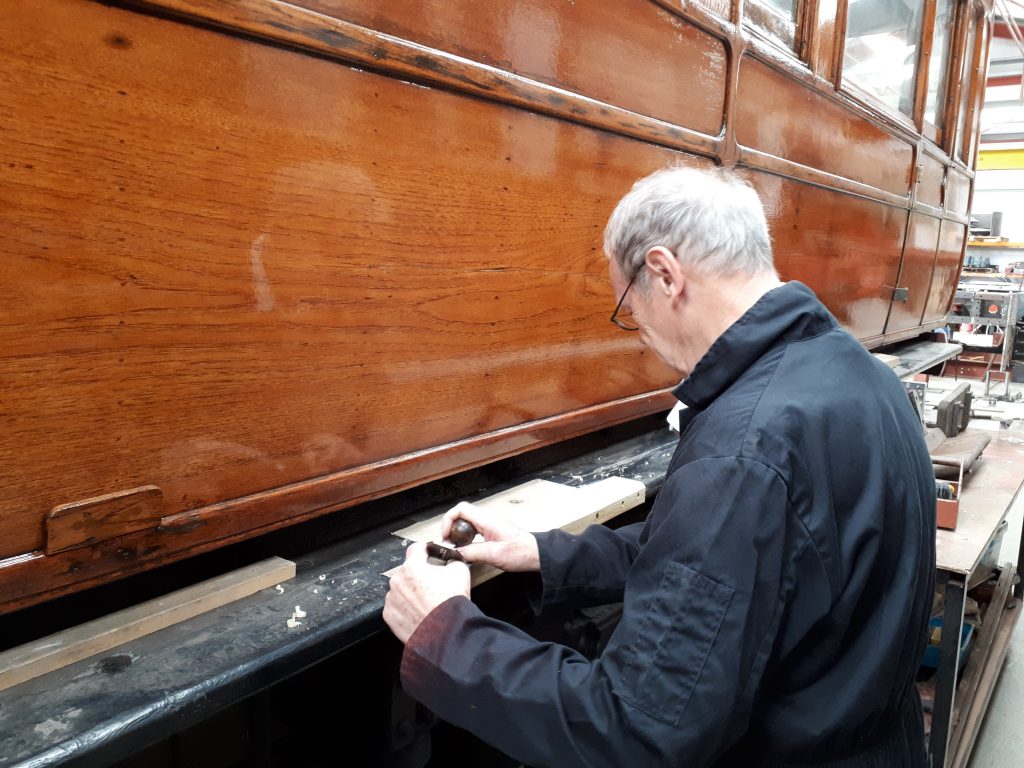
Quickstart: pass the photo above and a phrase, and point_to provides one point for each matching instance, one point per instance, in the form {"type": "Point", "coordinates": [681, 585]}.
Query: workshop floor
{"type": "Point", "coordinates": [1000, 743]}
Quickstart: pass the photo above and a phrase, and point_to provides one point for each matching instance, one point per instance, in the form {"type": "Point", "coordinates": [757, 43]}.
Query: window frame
{"type": "Point", "coordinates": [959, 55]}
{"type": "Point", "coordinates": [756, 13]}
{"type": "Point", "coordinates": [858, 92]}
{"type": "Point", "coordinates": [924, 58]}
{"type": "Point", "coordinates": [962, 140]}
{"type": "Point", "coordinates": [949, 110]}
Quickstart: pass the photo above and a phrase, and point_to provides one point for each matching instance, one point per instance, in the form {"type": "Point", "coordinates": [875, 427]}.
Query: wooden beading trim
{"type": "Point", "coordinates": [283, 24]}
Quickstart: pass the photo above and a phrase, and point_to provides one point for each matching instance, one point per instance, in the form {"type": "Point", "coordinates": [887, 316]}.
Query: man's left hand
{"type": "Point", "coordinates": [419, 587]}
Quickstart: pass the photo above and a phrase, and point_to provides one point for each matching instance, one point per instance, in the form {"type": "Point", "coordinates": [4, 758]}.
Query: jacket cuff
{"type": "Point", "coordinates": [424, 655]}
{"type": "Point", "coordinates": [556, 549]}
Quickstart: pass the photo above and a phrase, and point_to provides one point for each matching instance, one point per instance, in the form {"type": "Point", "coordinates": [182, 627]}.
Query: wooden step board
{"type": "Point", "coordinates": [541, 505]}
{"type": "Point", "coordinates": [58, 650]}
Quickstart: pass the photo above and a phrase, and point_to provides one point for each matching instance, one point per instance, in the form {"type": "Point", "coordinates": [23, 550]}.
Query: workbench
{"type": "Point", "coordinates": [96, 711]}
{"type": "Point", "coordinates": [988, 493]}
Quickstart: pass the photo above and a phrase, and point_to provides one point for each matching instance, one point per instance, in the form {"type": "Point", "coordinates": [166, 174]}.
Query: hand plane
{"type": "Point", "coordinates": [462, 533]}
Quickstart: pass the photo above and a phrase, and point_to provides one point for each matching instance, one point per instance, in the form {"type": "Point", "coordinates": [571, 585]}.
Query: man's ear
{"type": "Point", "coordinates": [666, 273]}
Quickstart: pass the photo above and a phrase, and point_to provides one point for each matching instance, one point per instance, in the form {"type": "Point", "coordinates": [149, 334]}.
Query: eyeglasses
{"type": "Point", "coordinates": [615, 315]}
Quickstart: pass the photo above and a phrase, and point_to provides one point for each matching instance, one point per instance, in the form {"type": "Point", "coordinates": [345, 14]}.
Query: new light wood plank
{"type": "Point", "coordinates": [538, 505]}
{"type": "Point", "coordinates": [58, 650]}
{"type": "Point", "coordinates": [541, 505]}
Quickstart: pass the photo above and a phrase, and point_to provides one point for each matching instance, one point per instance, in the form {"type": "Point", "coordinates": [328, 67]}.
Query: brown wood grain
{"type": "Point", "coordinates": [821, 54]}
{"type": "Point", "coordinates": [953, 78]}
{"type": "Point", "coordinates": [105, 517]}
{"type": "Point", "coordinates": [237, 267]}
{"type": "Point", "coordinates": [958, 191]}
{"type": "Point", "coordinates": [785, 119]}
{"type": "Point", "coordinates": [845, 248]}
{"type": "Point", "coordinates": [282, 23]}
{"type": "Point", "coordinates": [929, 180]}
{"type": "Point", "coordinates": [276, 262]}
{"type": "Point", "coordinates": [921, 71]}
{"type": "Point", "coordinates": [972, 77]}
{"type": "Point", "coordinates": [664, 67]}
{"type": "Point", "coordinates": [33, 577]}
{"type": "Point", "coordinates": [975, 63]}
{"type": "Point", "coordinates": [915, 272]}
{"type": "Point", "coordinates": [948, 259]}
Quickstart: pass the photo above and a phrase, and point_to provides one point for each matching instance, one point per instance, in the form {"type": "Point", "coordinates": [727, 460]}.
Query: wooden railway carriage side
{"type": "Point", "coordinates": [267, 260]}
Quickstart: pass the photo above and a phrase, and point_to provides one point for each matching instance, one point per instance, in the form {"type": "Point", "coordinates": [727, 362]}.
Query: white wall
{"type": "Point", "coordinates": [1002, 191]}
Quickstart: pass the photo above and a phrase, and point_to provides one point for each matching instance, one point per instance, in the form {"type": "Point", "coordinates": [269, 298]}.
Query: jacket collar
{"type": "Point", "coordinates": [784, 314]}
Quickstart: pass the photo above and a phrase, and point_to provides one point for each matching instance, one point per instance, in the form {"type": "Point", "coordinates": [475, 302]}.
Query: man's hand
{"type": "Point", "coordinates": [505, 545]}
{"type": "Point", "coordinates": [419, 587]}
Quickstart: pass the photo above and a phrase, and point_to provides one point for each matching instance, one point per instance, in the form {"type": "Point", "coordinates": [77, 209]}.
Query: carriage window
{"type": "Point", "coordinates": [881, 49]}
{"type": "Point", "coordinates": [775, 19]}
{"type": "Point", "coordinates": [967, 89]}
{"type": "Point", "coordinates": [785, 8]}
{"type": "Point", "coordinates": [937, 67]}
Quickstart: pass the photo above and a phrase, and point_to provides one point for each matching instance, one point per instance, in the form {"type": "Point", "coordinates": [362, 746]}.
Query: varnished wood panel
{"type": "Point", "coordinates": [947, 270]}
{"type": "Point", "coordinates": [229, 268]}
{"type": "Point", "coordinates": [282, 24]}
{"type": "Point", "coordinates": [824, 41]}
{"type": "Point", "coordinates": [779, 116]}
{"type": "Point", "coordinates": [845, 248]}
{"type": "Point", "coordinates": [958, 192]}
{"type": "Point", "coordinates": [664, 67]}
{"type": "Point", "coordinates": [274, 263]}
{"type": "Point", "coordinates": [930, 180]}
{"type": "Point", "coordinates": [976, 67]}
{"type": "Point", "coordinates": [32, 577]}
{"type": "Point", "coordinates": [915, 272]}
{"type": "Point", "coordinates": [722, 8]}
{"type": "Point", "coordinates": [106, 517]}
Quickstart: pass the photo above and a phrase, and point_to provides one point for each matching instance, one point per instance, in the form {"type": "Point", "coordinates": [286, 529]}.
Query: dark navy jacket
{"type": "Point", "coordinates": [775, 601]}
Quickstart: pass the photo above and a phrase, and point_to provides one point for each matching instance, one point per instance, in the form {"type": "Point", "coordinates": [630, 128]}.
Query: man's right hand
{"type": "Point", "coordinates": [505, 545]}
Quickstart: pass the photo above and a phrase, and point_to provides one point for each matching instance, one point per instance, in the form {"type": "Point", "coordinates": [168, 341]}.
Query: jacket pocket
{"type": "Point", "coordinates": [676, 635]}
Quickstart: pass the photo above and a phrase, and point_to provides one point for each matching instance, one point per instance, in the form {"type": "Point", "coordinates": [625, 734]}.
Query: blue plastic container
{"type": "Point", "coordinates": [932, 653]}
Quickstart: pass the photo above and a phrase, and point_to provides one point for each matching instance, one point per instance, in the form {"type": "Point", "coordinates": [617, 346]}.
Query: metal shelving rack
{"type": "Point", "coordinates": [979, 311]}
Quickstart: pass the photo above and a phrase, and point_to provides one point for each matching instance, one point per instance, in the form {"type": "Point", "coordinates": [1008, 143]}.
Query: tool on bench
{"type": "Point", "coordinates": [462, 533]}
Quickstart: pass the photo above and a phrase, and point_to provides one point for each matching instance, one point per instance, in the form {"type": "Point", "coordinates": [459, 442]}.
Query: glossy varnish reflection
{"type": "Point", "coordinates": [667, 70]}
{"type": "Point", "coordinates": [808, 128]}
{"type": "Point", "coordinates": [260, 263]}
{"type": "Point", "coordinates": [836, 245]}
{"type": "Point", "coordinates": [958, 192]}
{"type": "Point", "coordinates": [947, 269]}
{"type": "Point", "coordinates": [930, 180]}
{"type": "Point", "coordinates": [919, 253]}
{"type": "Point", "coordinates": [220, 289]}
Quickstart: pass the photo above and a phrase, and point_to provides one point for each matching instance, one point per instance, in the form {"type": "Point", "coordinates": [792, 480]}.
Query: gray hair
{"type": "Point", "coordinates": [711, 220]}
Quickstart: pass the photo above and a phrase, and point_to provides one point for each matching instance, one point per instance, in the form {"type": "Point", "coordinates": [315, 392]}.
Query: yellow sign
{"type": "Point", "coordinates": [1000, 159]}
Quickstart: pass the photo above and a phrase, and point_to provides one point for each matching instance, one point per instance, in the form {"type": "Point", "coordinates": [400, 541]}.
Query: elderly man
{"type": "Point", "coordinates": [775, 602]}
